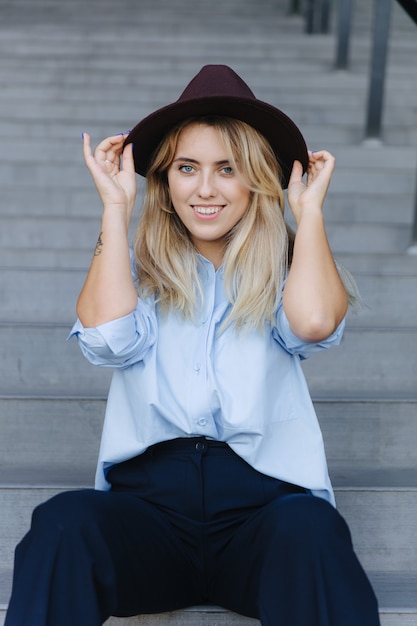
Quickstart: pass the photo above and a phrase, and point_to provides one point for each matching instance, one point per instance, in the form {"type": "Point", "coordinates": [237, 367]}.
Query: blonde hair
{"type": "Point", "coordinates": [257, 254]}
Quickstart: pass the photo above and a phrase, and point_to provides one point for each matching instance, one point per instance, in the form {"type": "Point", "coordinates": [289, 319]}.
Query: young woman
{"type": "Point", "coordinates": [211, 485]}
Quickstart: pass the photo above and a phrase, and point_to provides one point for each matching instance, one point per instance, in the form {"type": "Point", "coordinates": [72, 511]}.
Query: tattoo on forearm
{"type": "Point", "coordinates": [99, 245]}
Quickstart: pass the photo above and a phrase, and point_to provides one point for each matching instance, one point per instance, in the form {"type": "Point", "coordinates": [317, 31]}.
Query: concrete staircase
{"type": "Point", "coordinates": [100, 66]}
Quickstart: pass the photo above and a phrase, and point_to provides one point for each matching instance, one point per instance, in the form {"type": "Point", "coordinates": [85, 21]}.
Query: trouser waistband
{"type": "Point", "coordinates": [200, 444]}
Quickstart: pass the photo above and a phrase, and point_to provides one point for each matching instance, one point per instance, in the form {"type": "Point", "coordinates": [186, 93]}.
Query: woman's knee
{"type": "Point", "coordinates": [65, 511]}
{"type": "Point", "coordinates": [310, 517]}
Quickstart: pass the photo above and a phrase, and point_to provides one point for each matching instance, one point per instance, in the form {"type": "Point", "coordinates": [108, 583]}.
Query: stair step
{"type": "Point", "coordinates": [61, 232]}
{"type": "Point", "coordinates": [373, 434]}
{"type": "Point", "coordinates": [39, 148]}
{"type": "Point", "coordinates": [57, 438]}
{"type": "Point", "coordinates": [203, 616]}
{"type": "Point", "coordinates": [367, 443]}
{"type": "Point", "coordinates": [49, 295]}
{"type": "Point", "coordinates": [37, 360]}
{"type": "Point", "coordinates": [372, 172]}
{"type": "Point", "coordinates": [349, 90]}
{"type": "Point", "coordinates": [380, 362]}
{"type": "Point", "coordinates": [44, 363]}
{"type": "Point", "coordinates": [387, 301]}
{"type": "Point", "coordinates": [398, 264]}
{"type": "Point", "coordinates": [60, 75]}
{"type": "Point", "coordinates": [364, 207]}
{"type": "Point", "coordinates": [46, 258]}
{"type": "Point", "coordinates": [392, 204]}
{"type": "Point", "coordinates": [374, 515]}
{"type": "Point", "coordinates": [395, 591]}
{"type": "Point", "coordinates": [102, 15]}
{"type": "Point", "coordinates": [78, 203]}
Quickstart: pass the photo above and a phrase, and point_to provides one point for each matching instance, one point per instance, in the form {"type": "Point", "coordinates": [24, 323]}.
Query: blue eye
{"type": "Point", "coordinates": [187, 169]}
{"type": "Point", "coordinates": [227, 170]}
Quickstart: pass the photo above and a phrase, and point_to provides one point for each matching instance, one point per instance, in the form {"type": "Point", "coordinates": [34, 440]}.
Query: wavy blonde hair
{"type": "Point", "coordinates": [259, 246]}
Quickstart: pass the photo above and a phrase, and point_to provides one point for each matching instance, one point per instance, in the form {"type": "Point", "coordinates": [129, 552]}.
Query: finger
{"type": "Point", "coordinates": [95, 165]}
{"type": "Point", "coordinates": [112, 142]}
{"type": "Point", "coordinates": [110, 148]}
{"type": "Point", "coordinates": [88, 153]}
{"type": "Point", "coordinates": [322, 156]}
{"type": "Point", "coordinates": [319, 153]}
{"type": "Point", "coordinates": [86, 146]}
{"type": "Point", "coordinates": [296, 173]}
{"type": "Point", "coordinates": [128, 160]}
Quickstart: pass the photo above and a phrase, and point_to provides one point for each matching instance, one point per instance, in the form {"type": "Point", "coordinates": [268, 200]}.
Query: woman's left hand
{"type": "Point", "coordinates": [315, 299]}
{"type": "Point", "coordinates": [311, 194]}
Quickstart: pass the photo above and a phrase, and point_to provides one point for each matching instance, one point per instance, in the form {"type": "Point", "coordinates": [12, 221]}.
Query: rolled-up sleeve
{"type": "Point", "coordinates": [283, 334]}
{"type": "Point", "coordinates": [119, 343]}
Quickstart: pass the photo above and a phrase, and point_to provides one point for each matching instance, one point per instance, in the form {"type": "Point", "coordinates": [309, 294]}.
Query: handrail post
{"type": "Point", "coordinates": [344, 25]}
{"type": "Point", "coordinates": [413, 245]}
{"type": "Point", "coordinates": [294, 7]}
{"type": "Point", "coordinates": [325, 17]}
{"type": "Point", "coordinates": [310, 16]}
{"type": "Point", "coordinates": [382, 13]}
{"type": "Point", "coordinates": [317, 16]}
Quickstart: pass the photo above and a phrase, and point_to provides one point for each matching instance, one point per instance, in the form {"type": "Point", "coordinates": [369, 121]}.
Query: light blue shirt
{"type": "Point", "coordinates": [177, 378]}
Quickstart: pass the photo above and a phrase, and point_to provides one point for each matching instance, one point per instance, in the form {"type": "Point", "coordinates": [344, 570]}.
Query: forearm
{"type": "Point", "coordinates": [108, 292]}
{"type": "Point", "coordinates": [314, 299]}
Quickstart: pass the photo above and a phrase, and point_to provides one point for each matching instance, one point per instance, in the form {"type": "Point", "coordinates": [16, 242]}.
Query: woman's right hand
{"type": "Point", "coordinates": [113, 172]}
{"type": "Point", "coordinates": [109, 292]}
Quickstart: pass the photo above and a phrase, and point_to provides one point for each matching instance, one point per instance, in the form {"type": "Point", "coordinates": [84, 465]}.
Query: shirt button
{"type": "Point", "coordinates": [197, 367]}
{"type": "Point", "coordinates": [202, 421]}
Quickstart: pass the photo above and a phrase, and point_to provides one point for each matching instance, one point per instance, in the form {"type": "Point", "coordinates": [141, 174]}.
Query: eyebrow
{"type": "Point", "coordinates": [188, 160]}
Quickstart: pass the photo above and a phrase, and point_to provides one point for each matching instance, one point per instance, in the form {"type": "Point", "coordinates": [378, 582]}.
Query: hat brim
{"type": "Point", "coordinates": [284, 136]}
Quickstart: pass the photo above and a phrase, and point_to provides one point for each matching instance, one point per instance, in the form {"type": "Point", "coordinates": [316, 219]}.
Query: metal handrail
{"type": "Point", "coordinates": [344, 25]}
{"type": "Point", "coordinates": [410, 6]}
{"type": "Point", "coordinates": [294, 7]}
{"type": "Point", "coordinates": [381, 28]}
{"type": "Point", "coordinates": [380, 36]}
{"type": "Point", "coordinates": [316, 16]}
{"type": "Point", "coordinates": [412, 249]}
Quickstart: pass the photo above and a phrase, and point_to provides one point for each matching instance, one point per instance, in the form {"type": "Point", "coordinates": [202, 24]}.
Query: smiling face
{"type": "Point", "coordinates": [206, 193]}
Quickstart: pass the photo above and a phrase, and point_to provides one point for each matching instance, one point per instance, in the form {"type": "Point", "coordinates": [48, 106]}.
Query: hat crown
{"type": "Point", "coordinates": [216, 81]}
{"type": "Point", "coordinates": [218, 91]}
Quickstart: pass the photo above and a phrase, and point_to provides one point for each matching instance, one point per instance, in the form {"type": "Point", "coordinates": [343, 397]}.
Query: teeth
{"type": "Point", "coordinates": [206, 211]}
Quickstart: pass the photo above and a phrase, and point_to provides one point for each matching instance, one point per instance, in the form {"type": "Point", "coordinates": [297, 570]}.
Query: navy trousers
{"type": "Point", "coordinates": [189, 522]}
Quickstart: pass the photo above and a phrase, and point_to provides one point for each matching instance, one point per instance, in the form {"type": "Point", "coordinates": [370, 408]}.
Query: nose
{"type": "Point", "coordinates": [206, 187]}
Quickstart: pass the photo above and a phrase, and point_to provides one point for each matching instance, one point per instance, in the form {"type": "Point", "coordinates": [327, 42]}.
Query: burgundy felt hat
{"type": "Point", "coordinates": [218, 90]}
